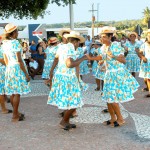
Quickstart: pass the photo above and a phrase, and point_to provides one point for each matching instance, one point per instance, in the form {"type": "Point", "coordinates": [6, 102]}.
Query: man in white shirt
{"type": "Point", "coordinates": [139, 40]}
{"type": "Point", "coordinates": [33, 64]}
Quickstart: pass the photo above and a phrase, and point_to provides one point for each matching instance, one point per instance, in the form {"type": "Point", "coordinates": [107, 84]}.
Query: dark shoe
{"type": "Point", "coordinates": [22, 115]}
{"type": "Point", "coordinates": [147, 96]}
{"type": "Point", "coordinates": [61, 114]}
{"type": "Point", "coordinates": [116, 124]}
{"type": "Point", "coordinates": [106, 122]}
{"type": "Point", "coordinates": [7, 112]}
{"type": "Point", "coordinates": [19, 119]}
{"type": "Point", "coordinates": [145, 89]}
{"type": "Point", "coordinates": [105, 111]}
{"type": "Point", "coordinates": [72, 125]}
{"type": "Point", "coordinates": [97, 89]}
{"type": "Point", "coordinates": [66, 127]}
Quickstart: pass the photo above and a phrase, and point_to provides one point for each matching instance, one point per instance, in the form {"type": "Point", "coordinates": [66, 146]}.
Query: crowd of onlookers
{"type": "Point", "coordinates": [34, 56]}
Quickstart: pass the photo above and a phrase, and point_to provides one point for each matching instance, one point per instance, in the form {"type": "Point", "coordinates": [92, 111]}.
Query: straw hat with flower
{"type": "Point", "coordinates": [75, 34]}
{"type": "Point", "coordinates": [53, 40]}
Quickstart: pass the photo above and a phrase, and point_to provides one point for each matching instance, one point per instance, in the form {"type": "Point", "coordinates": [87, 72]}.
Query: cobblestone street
{"type": "Point", "coordinates": [40, 130]}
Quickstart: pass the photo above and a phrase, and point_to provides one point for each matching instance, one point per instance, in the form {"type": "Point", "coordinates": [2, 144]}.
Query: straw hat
{"type": "Point", "coordinates": [61, 32]}
{"type": "Point", "coordinates": [132, 33]}
{"type": "Point", "coordinates": [53, 40]}
{"type": "Point", "coordinates": [40, 40]}
{"type": "Point", "coordinates": [75, 34]}
{"type": "Point", "coordinates": [9, 28]}
{"type": "Point", "coordinates": [148, 31]}
{"type": "Point", "coordinates": [107, 29]}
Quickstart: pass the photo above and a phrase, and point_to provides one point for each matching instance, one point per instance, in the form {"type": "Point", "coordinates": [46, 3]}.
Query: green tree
{"type": "Point", "coordinates": [27, 8]}
{"type": "Point", "coordinates": [146, 15]}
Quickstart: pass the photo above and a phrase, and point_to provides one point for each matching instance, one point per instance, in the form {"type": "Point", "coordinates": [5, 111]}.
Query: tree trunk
{"type": "Point", "coordinates": [149, 24]}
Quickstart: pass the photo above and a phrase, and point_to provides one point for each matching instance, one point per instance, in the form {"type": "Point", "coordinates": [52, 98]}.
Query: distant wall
{"type": "Point", "coordinates": [33, 27]}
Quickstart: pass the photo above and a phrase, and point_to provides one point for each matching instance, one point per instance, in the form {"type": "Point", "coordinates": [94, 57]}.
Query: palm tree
{"type": "Point", "coordinates": [146, 17]}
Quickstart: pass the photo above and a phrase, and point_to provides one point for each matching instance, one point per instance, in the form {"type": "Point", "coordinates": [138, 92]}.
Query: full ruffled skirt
{"type": "Point", "coordinates": [145, 70]}
{"type": "Point", "coordinates": [15, 81]}
{"type": "Point", "coordinates": [84, 69]}
{"type": "Point", "coordinates": [100, 74]}
{"type": "Point", "coordinates": [65, 92]}
{"type": "Point", "coordinates": [46, 69]}
{"type": "Point", "coordinates": [119, 87]}
{"type": "Point", "coordinates": [132, 63]}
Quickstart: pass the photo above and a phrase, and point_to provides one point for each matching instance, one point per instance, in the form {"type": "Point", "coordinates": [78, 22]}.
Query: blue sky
{"type": "Point", "coordinates": [108, 10]}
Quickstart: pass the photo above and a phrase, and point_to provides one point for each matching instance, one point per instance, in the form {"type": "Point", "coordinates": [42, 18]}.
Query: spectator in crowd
{"type": "Point", "coordinates": [40, 57]}
{"type": "Point", "coordinates": [26, 53]}
{"type": "Point", "coordinates": [88, 43]}
{"type": "Point", "coordinates": [139, 40]}
{"type": "Point", "coordinates": [33, 65]}
{"type": "Point", "coordinates": [33, 49]}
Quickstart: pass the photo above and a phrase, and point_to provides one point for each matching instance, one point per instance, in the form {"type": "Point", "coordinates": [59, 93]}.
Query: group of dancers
{"type": "Point", "coordinates": [64, 66]}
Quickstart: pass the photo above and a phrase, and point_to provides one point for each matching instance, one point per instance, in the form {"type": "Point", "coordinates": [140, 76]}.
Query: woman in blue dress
{"type": "Point", "coordinates": [144, 55]}
{"type": "Point", "coordinates": [16, 75]}
{"type": "Point", "coordinates": [132, 59]}
{"type": "Point", "coordinates": [119, 84]}
{"type": "Point", "coordinates": [2, 82]}
{"type": "Point", "coordinates": [83, 67]}
{"type": "Point", "coordinates": [65, 88]}
{"type": "Point", "coordinates": [100, 72]}
{"type": "Point", "coordinates": [50, 55]}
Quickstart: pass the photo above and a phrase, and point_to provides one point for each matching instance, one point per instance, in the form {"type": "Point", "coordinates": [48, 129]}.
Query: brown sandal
{"type": "Point", "coordinates": [147, 96]}
{"type": "Point", "coordinates": [7, 112]}
{"type": "Point", "coordinates": [145, 89]}
{"type": "Point", "coordinates": [18, 119]}
{"type": "Point", "coordinates": [97, 89]}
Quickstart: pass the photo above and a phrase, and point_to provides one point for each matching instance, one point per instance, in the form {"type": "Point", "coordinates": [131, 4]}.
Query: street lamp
{"type": "Point", "coordinates": [71, 16]}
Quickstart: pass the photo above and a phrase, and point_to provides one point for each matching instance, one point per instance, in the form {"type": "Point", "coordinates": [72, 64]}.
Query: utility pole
{"type": "Point", "coordinates": [71, 16]}
{"type": "Point", "coordinates": [97, 15]}
{"type": "Point", "coordinates": [93, 19]}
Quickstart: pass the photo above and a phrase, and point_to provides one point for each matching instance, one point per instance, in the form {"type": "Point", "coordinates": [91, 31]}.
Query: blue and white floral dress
{"type": "Point", "coordinates": [95, 64]}
{"type": "Point", "coordinates": [119, 84]}
{"type": "Point", "coordinates": [2, 74]}
{"type": "Point", "coordinates": [100, 70]}
{"type": "Point", "coordinates": [65, 91]}
{"type": "Point", "coordinates": [132, 59]}
{"type": "Point", "coordinates": [145, 67]}
{"type": "Point", "coordinates": [15, 79]}
{"type": "Point", "coordinates": [83, 67]}
{"type": "Point", "coordinates": [50, 56]}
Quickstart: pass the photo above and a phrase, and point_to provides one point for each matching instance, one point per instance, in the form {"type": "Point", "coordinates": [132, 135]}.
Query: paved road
{"type": "Point", "coordinates": [40, 130]}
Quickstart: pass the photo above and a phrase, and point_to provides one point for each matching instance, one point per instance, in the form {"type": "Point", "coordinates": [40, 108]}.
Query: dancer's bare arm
{"type": "Point", "coordinates": [70, 62]}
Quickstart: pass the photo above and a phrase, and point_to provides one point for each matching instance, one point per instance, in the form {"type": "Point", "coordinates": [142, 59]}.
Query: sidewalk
{"type": "Point", "coordinates": [40, 130]}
